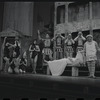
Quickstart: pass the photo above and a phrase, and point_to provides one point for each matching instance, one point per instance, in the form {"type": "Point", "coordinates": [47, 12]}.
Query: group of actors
{"type": "Point", "coordinates": [13, 62]}
{"type": "Point", "coordinates": [62, 47]}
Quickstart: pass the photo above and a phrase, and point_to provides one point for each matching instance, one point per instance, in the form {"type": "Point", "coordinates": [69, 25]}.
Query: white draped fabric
{"type": "Point", "coordinates": [57, 67]}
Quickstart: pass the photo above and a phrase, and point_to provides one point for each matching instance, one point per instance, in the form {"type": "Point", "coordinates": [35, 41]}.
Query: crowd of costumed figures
{"type": "Point", "coordinates": [64, 48]}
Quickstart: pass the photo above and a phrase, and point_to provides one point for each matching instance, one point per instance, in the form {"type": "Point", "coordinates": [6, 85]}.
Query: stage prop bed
{"type": "Point", "coordinates": [57, 67]}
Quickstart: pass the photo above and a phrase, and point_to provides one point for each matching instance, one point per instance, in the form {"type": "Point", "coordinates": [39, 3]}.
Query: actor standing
{"type": "Point", "coordinates": [91, 48]}
{"type": "Point", "coordinates": [69, 42]}
{"type": "Point", "coordinates": [80, 41]}
{"type": "Point", "coordinates": [47, 44]}
{"type": "Point", "coordinates": [59, 45]}
{"type": "Point", "coordinates": [34, 49]}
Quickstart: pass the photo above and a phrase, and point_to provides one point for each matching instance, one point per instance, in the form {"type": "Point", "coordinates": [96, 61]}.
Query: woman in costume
{"type": "Point", "coordinates": [23, 63]}
{"type": "Point", "coordinates": [14, 64]}
{"type": "Point", "coordinates": [34, 49]}
{"type": "Point", "coordinates": [6, 53]}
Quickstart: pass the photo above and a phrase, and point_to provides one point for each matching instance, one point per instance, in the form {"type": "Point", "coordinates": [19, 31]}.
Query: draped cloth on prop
{"type": "Point", "coordinates": [57, 67]}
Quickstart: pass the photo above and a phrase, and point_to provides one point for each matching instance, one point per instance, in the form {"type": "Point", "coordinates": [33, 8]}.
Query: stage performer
{"type": "Point", "coordinates": [59, 39]}
{"type": "Point", "coordinates": [17, 47]}
{"type": "Point", "coordinates": [23, 63]}
{"type": "Point", "coordinates": [47, 43]}
{"type": "Point", "coordinates": [57, 67]}
{"type": "Point", "coordinates": [79, 41]}
{"type": "Point", "coordinates": [69, 42]}
{"type": "Point", "coordinates": [6, 54]}
{"type": "Point", "coordinates": [91, 48]}
{"type": "Point", "coordinates": [14, 64]}
{"type": "Point", "coordinates": [34, 49]}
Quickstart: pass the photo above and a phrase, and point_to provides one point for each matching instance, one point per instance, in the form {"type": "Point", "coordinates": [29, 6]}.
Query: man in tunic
{"type": "Point", "coordinates": [47, 43]}
{"type": "Point", "coordinates": [69, 46]}
{"type": "Point", "coordinates": [59, 46]}
{"type": "Point", "coordinates": [90, 49]}
{"type": "Point", "coordinates": [80, 41]}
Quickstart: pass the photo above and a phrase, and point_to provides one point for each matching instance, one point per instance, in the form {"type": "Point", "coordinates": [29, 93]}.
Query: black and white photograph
{"type": "Point", "coordinates": [50, 50]}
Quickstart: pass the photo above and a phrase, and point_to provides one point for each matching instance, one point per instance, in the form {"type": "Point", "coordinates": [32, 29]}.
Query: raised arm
{"type": "Point", "coordinates": [66, 40]}
{"type": "Point", "coordinates": [83, 38]}
{"type": "Point", "coordinates": [30, 48]}
{"type": "Point", "coordinates": [84, 49]}
{"type": "Point", "coordinates": [72, 41]}
{"type": "Point", "coordinates": [12, 45]}
{"type": "Point", "coordinates": [53, 39]}
{"type": "Point", "coordinates": [62, 37]}
{"type": "Point", "coordinates": [76, 39]}
{"type": "Point", "coordinates": [4, 43]}
{"type": "Point", "coordinates": [39, 37]}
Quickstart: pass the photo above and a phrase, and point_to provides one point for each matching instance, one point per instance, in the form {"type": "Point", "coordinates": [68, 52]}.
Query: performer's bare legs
{"type": "Point", "coordinates": [17, 65]}
{"type": "Point", "coordinates": [48, 70]}
{"type": "Point", "coordinates": [91, 68]}
{"type": "Point", "coordinates": [34, 63]}
{"type": "Point", "coordinates": [6, 64]}
{"type": "Point", "coordinates": [61, 55]}
{"type": "Point", "coordinates": [57, 55]}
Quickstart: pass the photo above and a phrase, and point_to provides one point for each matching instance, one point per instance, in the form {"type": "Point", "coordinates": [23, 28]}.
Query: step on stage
{"type": "Point", "coordinates": [46, 86]}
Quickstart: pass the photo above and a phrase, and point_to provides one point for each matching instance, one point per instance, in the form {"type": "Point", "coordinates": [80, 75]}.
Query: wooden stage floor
{"type": "Point", "coordinates": [46, 86]}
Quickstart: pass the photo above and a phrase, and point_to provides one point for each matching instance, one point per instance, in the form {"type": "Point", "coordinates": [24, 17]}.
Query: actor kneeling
{"type": "Point", "coordinates": [14, 64]}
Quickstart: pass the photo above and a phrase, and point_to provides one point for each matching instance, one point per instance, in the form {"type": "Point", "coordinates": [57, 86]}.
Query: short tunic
{"type": "Point", "coordinates": [91, 51]}
{"type": "Point", "coordinates": [69, 46]}
{"type": "Point", "coordinates": [47, 51]}
{"type": "Point", "coordinates": [59, 44]}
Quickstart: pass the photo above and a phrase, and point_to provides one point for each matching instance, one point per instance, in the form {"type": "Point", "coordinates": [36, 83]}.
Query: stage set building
{"type": "Point", "coordinates": [74, 16]}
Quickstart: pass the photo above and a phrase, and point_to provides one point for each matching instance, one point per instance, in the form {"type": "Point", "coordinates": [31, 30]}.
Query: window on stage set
{"type": "Point", "coordinates": [96, 10]}
{"type": "Point", "coordinates": [78, 11]}
{"type": "Point", "coordinates": [60, 14]}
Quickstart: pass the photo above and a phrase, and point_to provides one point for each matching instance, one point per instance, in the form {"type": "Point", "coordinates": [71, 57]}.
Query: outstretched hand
{"type": "Point", "coordinates": [38, 32]}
